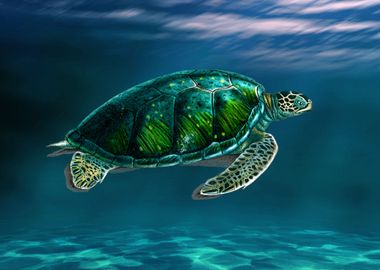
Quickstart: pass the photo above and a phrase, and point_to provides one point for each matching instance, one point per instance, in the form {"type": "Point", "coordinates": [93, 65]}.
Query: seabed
{"type": "Point", "coordinates": [184, 247]}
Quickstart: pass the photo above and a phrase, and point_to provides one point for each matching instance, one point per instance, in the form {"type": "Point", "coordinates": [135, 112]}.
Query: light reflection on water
{"type": "Point", "coordinates": [188, 248]}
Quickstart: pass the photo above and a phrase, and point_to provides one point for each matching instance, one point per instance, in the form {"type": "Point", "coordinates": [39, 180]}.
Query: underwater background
{"type": "Point", "coordinates": [316, 207]}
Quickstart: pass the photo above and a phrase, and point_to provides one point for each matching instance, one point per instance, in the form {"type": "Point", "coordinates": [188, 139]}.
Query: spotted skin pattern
{"type": "Point", "coordinates": [87, 170]}
{"type": "Point", "coordinates": [255, 159]}
{"type": "Point", "coordinates": [286, 101]}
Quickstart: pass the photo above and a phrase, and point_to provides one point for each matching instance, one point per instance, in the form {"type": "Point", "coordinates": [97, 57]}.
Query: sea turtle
{"type": "Point", "coordinates": [192, 117]}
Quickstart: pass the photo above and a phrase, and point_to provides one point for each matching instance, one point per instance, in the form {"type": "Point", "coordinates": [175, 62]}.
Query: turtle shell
{"type": "Point", "coordinates": [178, 118]}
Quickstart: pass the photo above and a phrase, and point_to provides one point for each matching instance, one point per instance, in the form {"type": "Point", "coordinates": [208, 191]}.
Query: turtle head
{"type": "Point", "coordinates": [292, 104]}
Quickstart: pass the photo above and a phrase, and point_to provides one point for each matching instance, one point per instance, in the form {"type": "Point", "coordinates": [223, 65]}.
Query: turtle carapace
{"type": "Point", "coordinates": [190, 117]}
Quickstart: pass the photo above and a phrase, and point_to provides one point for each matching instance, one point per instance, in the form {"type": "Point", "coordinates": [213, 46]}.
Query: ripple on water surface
{"type": "Point", "coordinates": [185, 248]}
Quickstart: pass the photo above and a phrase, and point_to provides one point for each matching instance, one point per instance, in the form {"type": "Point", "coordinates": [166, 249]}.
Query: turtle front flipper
{"type": "Point", "coordinates": [86, 171]}
{"type": "Point", "coordinates": [250, 164]}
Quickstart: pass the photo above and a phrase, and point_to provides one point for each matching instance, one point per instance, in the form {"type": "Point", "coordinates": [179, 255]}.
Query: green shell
{"type": "Point", "coordinates": [178, 118]}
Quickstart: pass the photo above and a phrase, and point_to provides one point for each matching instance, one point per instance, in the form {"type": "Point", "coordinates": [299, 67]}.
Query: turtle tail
{"type": "Point", "coordinates": [64, 148]}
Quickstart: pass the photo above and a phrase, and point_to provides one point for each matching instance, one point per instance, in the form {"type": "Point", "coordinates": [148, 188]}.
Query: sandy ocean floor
{"type": "Point", "coordinates": [183, 248]}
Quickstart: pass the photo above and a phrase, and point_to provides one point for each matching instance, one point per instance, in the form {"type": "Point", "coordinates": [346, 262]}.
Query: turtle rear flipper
{"type": "Point", "coordinates": [255, 159]}
{"type": "Point", "coordinates": [85, 171]}
{"type": "Point", "coordinates": [69, 180]}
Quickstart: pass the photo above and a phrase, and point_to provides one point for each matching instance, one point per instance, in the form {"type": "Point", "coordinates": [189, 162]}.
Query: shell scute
{"type": "Point", "coordinates": [145, 162]}
{"type": "Point", "coordinates": [211, 80]}
{"type": "Point", "coordinates": [213, 150]}
{"type": "Point", "coordinates": [153, 128]}
{"type": "Point", "coordinates": [242, 134]}
{"type": "Point", "coordinates": [122, 160]}
{"type": "Point", "coordinates": [117, 142]}
{"type": "Point", "coordinates": [249, 89]}
{"type": "Point", "coordinates": [194, 120]}
{"type": "Point", "coordinates": [107, 129]}
{"type": "Point", "coordinates": [231, 112]}
{"type": "Point", "coordinates": [192, 157]}
{"type": "Point", "coordinates": [136, 97]}
{"type": "Point", "coordinates": [169, 160]}
{"type": "Point", "coordinates": [174, 84]}
{"type": "Point", "coordinates": [228, 145]}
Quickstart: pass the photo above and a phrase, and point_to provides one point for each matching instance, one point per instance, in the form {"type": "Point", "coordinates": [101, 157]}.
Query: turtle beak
{"type": "Point", "coordinates": [308, 107]}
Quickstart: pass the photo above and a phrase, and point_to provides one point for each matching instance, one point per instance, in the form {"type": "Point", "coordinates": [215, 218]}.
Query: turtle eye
{"type": "Point", "coordinates": [300, 103]}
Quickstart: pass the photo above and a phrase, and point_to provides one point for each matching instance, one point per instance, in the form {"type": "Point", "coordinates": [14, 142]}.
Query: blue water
{"type": "Point", "coordinates": [186, 248]}
{"type": "Point", "coordinates": [316, 207]}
